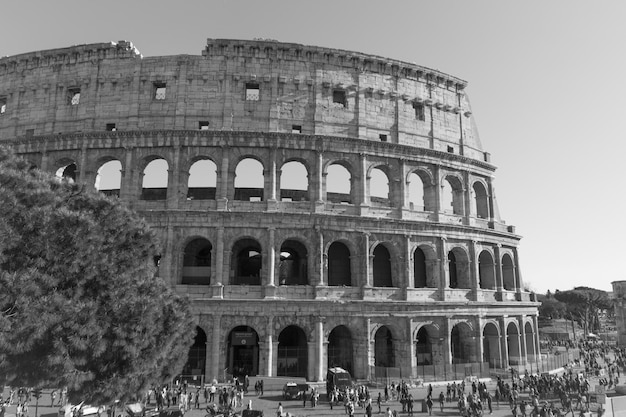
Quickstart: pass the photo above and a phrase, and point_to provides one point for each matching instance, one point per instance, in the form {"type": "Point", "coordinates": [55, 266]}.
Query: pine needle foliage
{"type": "Point", "coordinates": [80, 305]}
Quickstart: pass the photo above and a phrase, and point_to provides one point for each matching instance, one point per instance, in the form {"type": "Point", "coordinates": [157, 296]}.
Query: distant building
{"type": "Point", "coordinates": [319, 207]}
{"type": "Point", "coordinates": [619, 300]}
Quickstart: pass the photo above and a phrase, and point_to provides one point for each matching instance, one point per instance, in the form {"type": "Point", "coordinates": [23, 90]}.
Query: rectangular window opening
{"type": "Point", "coordinates": [73, 96]}
{"type": "Point", "coordinates": [339, 97]}
{"type": "Point", "coordinates": [203, 125]}
{"type": "Point", "coordinates": [110, 127]}
{"type": "Point", "coordinates": [159, 91]}
{"type": "Point", "coordinates": [29, 132]}
{"type": "Point", "coordinates": [383, 138]}
{"type": "Point", "coordinates": [450, 149]}
{"type": "Point", "coordinates": [252, 92]}
{"type": "Point", "coordinates": [419, 111]}
{"type": "Point", "coordinates": [3, 105]}
{"type": "Point", "coordinates": [296, 129]}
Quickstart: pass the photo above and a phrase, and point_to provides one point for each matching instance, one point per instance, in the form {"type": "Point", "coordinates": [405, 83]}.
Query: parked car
{"type": "Point", "coordinates": [294, 391]}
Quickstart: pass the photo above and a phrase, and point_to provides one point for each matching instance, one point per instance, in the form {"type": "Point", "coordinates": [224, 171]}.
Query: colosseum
{"type": "Point", "coordinates": [319, 207]}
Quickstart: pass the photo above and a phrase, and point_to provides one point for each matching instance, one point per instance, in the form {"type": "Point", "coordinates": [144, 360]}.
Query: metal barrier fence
{"type": "Point", "coordinates": [191, 380]}
{"type": "Point", "coordinates": [426, 373]}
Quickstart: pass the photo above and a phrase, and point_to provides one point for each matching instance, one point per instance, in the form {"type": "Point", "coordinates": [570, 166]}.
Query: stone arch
{"type": "Point", "coordinates": [384, 349]}
{"type": "Point", "coordinates": [491, 345]}
{"type": "Point", "coordinates": [249, 180]}
{"type": "Point", "coordinates": [339, 182]}
{"type": "Point", "coordinates": [425, 267]}
{"type": "Point", "coordinates": [513, 343]}
{"type": "Point", "coordinates": [196, 358]}
{"type": "Point", "coordinates": [379, 185]}
{"type": "Point", "coordinates": [421, 191]}
{"type": "Point", "coordinates": [423, 339]}
{"type": "Point", "coordinates": [458, 268]}
{"type": "Point", "coordinates": [486, 271]}
{"type": "Point", "coordinates": [154, 178]}
{"type": "Point", "coordinates": [109, 177]}
{"type": "Point", "coordinates": [293, 264]}
{"type": "Point", "coordinates": [294, 181]}
{"type": "Point", "coordinates": [529, 335]}
{"type": "Point", "coordinates": [339, 268]}
{"type": "Point", "coordinates": [67, 170]}
{"type": "Point", "coordinates": [462, 343]}
{"type": "Point", "coordinates": [508, 273]}
{"type": "Point", "coordinates": [382, 275]}
{"type": "Point", "coordinates": [292, 352]}
{"type": "Point", "coordinates": [340, 348]}
{"type": "Point", "coordinates": [197, 261]}
{"type": "Point", "coordinates": [202, 179]}
{"type": "Point", "coordinates": [481, 200]}
{"type": "Point", "coordinates": [246, 262]}
{"type": "Point", "coordinates": [452, 194]}
{"type": "Point", "coordinates": [242, 352]}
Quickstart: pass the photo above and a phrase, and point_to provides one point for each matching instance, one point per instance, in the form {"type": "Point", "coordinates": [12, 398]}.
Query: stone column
{"type": "Point", "coordinates": [404, 190]}
{"type": "Point", "coordinates": [218, 270]}
{"type": "Point", "coordinates": [266, 350]}
{"type": "Point", "coordinates": [498, 265]}
{"type": "Point", "coordinates": [445, 342]}
{"type": "Point", "coordinates": [322, 280]}
{"type": "Point", "coordinates": [503, 343]}
{"type": "Point", "coordinates": [320, 183]}
{"type": "Point", "coordinates": [82, 172]}
{"type": "Point", "coordinates": [437, 185]}
{"type": "Point", "coordinates": [412, 359]}
{"type": "Point", "coordinates": [444, 282]}
{"type": "Point", "coordinates": [222, 184]}
{"type": "Point", "coordinates": [270, 280]}
{"type": "Point", "coordinates": [516, 271]}
{"type": "Point", "coordinates": [216, 337]}
{"type": "Point", "coordinates": [474, 270]}
{"type": "Point", "coordinates": [272, 184]}
{"type": "Point", "coordinates": [127, 186]}
{"type": "Point", "coordinates": [365, 264]}
{"type": "Point", "coordinates": [409, 281]}
{"type": "Point", "coordinates": [362, 194]}
{"type": "Point", "coordinates": [522, 345]}
{"type": "Point", "coordinates": [490, 197]}
{"type": "Point", "coordinates": [319, 340]}
{"type": "Point", "coordinates": [173, 180]}
{"type": "Point", "coordinates": [536, 340]}
{"type": "Point", "coordinates": [467, 197]}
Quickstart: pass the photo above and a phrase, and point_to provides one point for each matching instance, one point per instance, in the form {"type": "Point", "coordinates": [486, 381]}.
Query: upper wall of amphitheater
{"type": "Point", "coordinates": [236, 86]}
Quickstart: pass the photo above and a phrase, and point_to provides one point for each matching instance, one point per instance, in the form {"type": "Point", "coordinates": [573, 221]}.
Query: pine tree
{"type": "Point", "coordinates": [80, 305]}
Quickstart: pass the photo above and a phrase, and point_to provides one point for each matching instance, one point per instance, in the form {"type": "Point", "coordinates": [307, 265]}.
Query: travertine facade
{"type": "Point", "coordinates": [320, 207]}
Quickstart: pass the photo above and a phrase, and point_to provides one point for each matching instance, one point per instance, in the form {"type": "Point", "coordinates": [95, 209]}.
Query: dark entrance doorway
{"type": "Point", "coordinates": [243, 352]}
{"type": "Point", "coordinates": [292, 352]}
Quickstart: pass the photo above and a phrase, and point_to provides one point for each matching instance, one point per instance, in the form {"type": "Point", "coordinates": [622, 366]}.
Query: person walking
{"type": "Point", "coordinates": [279, 410]}
{"type": "Point", "coordinates": [442, 399]}
{"type": "Point", "coordinates": [379, 400]}
{"type": "Point", "coordinates": [429, 405]}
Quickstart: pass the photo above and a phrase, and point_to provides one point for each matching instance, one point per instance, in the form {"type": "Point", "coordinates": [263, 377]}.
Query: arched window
{"type": "Point", "coordinates": [382, 267]}
{"type": "Point", "coordinates": [202, 180]}
{"type": "Point", "coordinates": [384, 354]}
{"type": "Point", "coordinates": [452, 195]}
{"type": "Point", "coordinates": [155, 178]}
{"type": "Point", "coordinates": [67, 172]}
{"type": "Point", "coordinates": [249, 180]}
{"type": "Point", "coordinates": [481, 202]}
{"type": "Point", "coordinates": [486, 271]}
{"type": "Point", "coordinates": [454, 280]}
{"type": "Point", "coordinates": [379, 186]}
{"type": "Point", "coordinates": [339, 273]}
{"type": "Point", "coordinates": [508, 273]}
{"type": "Point", "coordinates": [416, 192]}
{"type": "Point", "coordinates": [109, 178]}
{"type": "Point", "coordinates": [294, 182]}
{"type": "Point", "coordinates": [338, 184]}
{"type": "Point", "coordinates": [292, 269]}
{"type": "Point", "coordinates": [197, 262]}
{"type": "Point", "coordinates": [247, 262]}
{"type": "Point", "coordinates": [419, 268]}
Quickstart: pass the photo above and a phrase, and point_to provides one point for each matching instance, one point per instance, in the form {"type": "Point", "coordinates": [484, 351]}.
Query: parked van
{"type": "Point", "coordinates": [338, 378]}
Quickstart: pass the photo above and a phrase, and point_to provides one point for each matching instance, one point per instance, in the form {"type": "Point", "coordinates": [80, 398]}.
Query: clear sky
{"type": "Point", "coordinates": [547, 81]}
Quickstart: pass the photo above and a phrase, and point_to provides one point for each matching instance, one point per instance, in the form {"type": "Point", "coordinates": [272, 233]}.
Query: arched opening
{"type": "Point", "coordinates": [481, 202]}
{"type": "Point", "coordinates": [109, 178]}
{"type": "Point", "coordinates": [486, 271]}
{"type": "Point", "coordinates": [508, 273]}
{"type": "Point", "coordinates": [339, 273]}
{"type": "Point", "coordinates": [461, 343]}
{"type": "Point", "coordinates": [513, 344]}
{"type": "Point", "coordinates": [292, 269]}
{"type": "Point", "coordinates": [340, 349]}
{"type": "Point", "coordinates": [292, 352]}
{"type": "Point", "coordinates": [452, 270]}
{"type": "Point", "coordinates": [294, 182]}
{"type": "Point", "coordinates": [67, 172]}
{"type": "Point", "coordinates": [458, 269]}
{"type": "Point", "coordinates": [243, 352]}
{"type": "Point", "coordinates": [384, 355]}
{"type": "Point", "coordinates": [379, 186]}
{"type": "Point", "coordinates": [202, 180]}
{"type": "Point", "coordinates": [155, 178]}
{"type": "Point", "coordinates": [491, 346]}
{"type": "Point", "coordinates": [196, 360]}
{"type": "Point", "coordinates": [423, 347]}
{"type": "Point", "coordinates": [338, 184]}
{"type": "Point", "coordinates": [197, 262]}
{"type": "Point", "coordinates": [382, 267]}
{"type": "Point", "coordinates": [419, 268]}
{"type": "Point", "coordinates": [416, 192]}
{"type": "Point", "coordinates": [530, 342]}
{"type": "Point", "coordinates": [452, 195]}
{"type": "Point", "coordinates": [247, 262]}
{"type": "Point", "coordinates": [249, 180]}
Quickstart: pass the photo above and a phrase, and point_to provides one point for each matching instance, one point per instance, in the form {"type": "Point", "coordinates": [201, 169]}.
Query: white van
{"type": "Point", "coordinates": [84, 410]}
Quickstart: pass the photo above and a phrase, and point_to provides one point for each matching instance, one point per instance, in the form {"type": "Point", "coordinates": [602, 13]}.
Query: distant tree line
{"type": "Point", "coordinates": [584, 305]}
